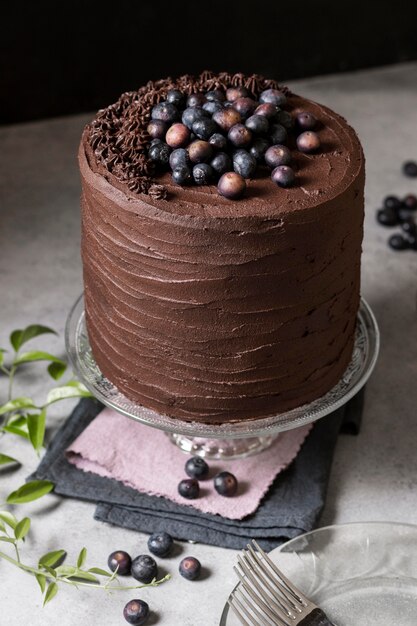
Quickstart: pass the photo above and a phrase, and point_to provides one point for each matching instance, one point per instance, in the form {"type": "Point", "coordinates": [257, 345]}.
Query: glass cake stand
{"type": "Point", "coordinates": [234, 439]}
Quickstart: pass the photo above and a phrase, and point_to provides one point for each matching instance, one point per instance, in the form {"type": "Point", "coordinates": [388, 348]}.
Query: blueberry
{"type": "Point", "coordinates": [283, 175]}
{"type": "Point", "coordinates": [212, 106]}
{"type": "Point", "coordinates": [165, 111]}
{"type": "Point", "coordinates": [231, 185]}
{"type": "Point", "coordinates": [189, 488]}
{"type": "Point", "coordinates": [221, 163]}
{"type": "Point", "coordinates": [277, 155]}
{"type": "Point", "coordinates": [178, 136]}
{"type": "Point", "coordinates": [404, 214]}
{"type": "Point", "coordinates": [258, 124]}
{"type": "Point", "coordinates": [387, 217]}
{"type": "Point", "coordinates": [196, 100]}
{"type": "Point", "coordinates": [410, 169]}
{"type": "Point", "coordinates": [178, 158]}
{"type": "Point", "coordinates": [157, 129]}
{"type": "Point", "coordinates": [306, 120]}
{"type": "Point", "coordinates": [204, 128]}
{"type": "Point", "coordinates": [218, 141]}
{"type": "Point", "coordinates": [258, 149]}
{"type": "Point", "coordinates": [182, 175]}
{"type": "Point", "coordinates": [240, 136]}
{"type": "Point", "coordinates": [175, 96]}
{"type": "Point", "coordinates": [193, 114]}
{"type": "Point", "coordinates": [144, 568]}
{"type": "Point", "coordinates": [308, 141]}
{"type": "Point", "coordinates": [278, 134]}
{"type": "Point", "coordinates": [226, 118]}
{"type": "Point", "coordinates": [392, 202]}
{"type": "Point", "coordinates": [267, 109]}
{"type": "Point", "coordinates": [136, 612]}
{"type": "Point", "coordinates": [410, 202]}
{"type": "Point", "coordinates": [244, 163]}
{"type": "Point", "coordinates": [285, 119]}
{"type": "Point", "coordinates": [190, 568]}
{"type": "Point", "coordinates": [121, 561]}
{"type": "Point", "coordinates": [196, 467]}
{"type": "Point", "coordinates": [200, 151]}
{"type": "Point", "coordinates": [159, 153]}
{"type": "Point", "coordinates": [233, 93]}
{"type": "Point", "coordinates": [274, 96]}
{"type": "Point", "coordinates": [155, 141]}
{"type": "Point", "coordinates": [160, 544]}
{"type": "Point", "coordinates": [245, 106]}
{"type": "Point", "coordinates": [398, 242]}
{"type": "Point", "coordinates": [216, 95]}
{"type": "Point", "coordinates": [226, 484]}
{"type": "Point", "coordinates": [203, 174]}
{"type": "Point", "coordinates": [410, 227]}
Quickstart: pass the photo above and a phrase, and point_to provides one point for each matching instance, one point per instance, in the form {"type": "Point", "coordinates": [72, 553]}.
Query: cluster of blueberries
{"type": "Point", "coordinates": [144, 569]}
{"type": "Point", "coordinates": [225, 483]}
{"type": "Point", "coordinates": [224, 136]}
{"type": "Point", "coordinates": [401, 212]}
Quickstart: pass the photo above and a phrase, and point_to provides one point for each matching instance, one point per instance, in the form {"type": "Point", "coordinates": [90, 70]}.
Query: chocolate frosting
{"type": "Point", "coordinates": [213, 310]}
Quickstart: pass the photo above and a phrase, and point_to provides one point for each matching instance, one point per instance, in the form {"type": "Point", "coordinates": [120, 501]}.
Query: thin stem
{"type": "Point", "coordinates": [17, 552]}
{"type": "Point", "coordinates": [4, 370]}
{"type": "Point", "coordinates": [11, 380]}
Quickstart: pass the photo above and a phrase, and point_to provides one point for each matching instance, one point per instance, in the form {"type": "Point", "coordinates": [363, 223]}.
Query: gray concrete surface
{"type": "Point", "coordinates": [374, 476]}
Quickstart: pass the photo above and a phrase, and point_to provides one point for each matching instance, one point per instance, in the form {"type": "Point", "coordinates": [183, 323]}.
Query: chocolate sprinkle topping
{"type": "Point", "coordinates": [118, 137]}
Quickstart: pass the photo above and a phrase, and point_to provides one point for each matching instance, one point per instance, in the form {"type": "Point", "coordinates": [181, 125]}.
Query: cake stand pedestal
{"type": "Point", "coordinates": [234, 439]}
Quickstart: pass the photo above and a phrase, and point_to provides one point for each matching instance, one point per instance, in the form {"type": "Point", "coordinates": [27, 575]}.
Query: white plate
{"type": "Point", "coordinates": [362, 574]}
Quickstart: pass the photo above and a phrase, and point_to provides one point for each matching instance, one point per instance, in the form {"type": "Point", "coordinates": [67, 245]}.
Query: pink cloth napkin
{"type": "Point", "coordinates": [144, 458]}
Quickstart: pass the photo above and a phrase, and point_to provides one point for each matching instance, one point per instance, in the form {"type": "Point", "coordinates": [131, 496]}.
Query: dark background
{"type": "Point", "coordinates": [69, 57]}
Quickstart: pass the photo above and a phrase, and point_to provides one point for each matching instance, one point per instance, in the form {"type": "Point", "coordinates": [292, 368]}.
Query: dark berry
{"type": "Point", "coordinates": [178, 158]}
{"type": "Point", "coordinates": [278, 134]}
{"type": "Point", "coordinates": [212, 106]}
{"type": "Point", "coordinates": [193, 114]}
{"type": "Point", "coordinates": [410, 202]}
{"type": "Point", "coordinates": [233, 93]}
{"type": "Point", "coordinates": [277, 155]}
{"type": "Point", "coordinates": [285, 119]}
{"type": "Point", "coordinates": [200, 151]}
{"type": "Point", "coordinates": [226, 484]}
{"type": "Point", "coordinates": [245, 106]}
{"type": "Point", "coordinates": [240, 136]}
{"type": "Point", "coordinates": [216, 95]}
{"type": "Point", "coordinates": [203, 174]}
{"type": "Point", "coordinates": [190, 568]}
{"type": "Point", "coordinates": [221, 163]}
{"type": "Point", "coordinates": [189, 488]}
{"type": "Point", "coordinates": [203, 129]}
{"type": "Point", "coordinates": [159, 153]}
{"type": "Point", "coordinates": [178, 135]}
{"type": "Point", "coordinates": [136, 612]}
{"type": "Point", "coordinates": [398, 242]}
{"type": "Point", "coordinates": [165, 111]}
{"type": "Point", "coordinates": [160, 544]}
{"type": "Point", "coordinates": [410, 169]}
{"type": "Point", "coordinates": [267, 110]}
{"type": "Point", "coordinates": [283, 175]}
{"type": "Point", "coordinates": [157, 129]}
{"type": "Point", "coordinates": [410, 227]}
{"type": "Point", "coordinates": [144, 568]}
{"type": "Point", "coordinates": [196, 467]}
{"type": "Point", "coordinates": [258, 124]}
{"type": "Point", "coordinates": [274, 96]}
{"type": "Point", "coordinates": [306, 120]}
{"type": "Point", "coordinates": [404, 214]}
{"type": "Point", "coordinates": [182, 175]}
{"type": "Point", "coordinates": [258, 149]}
{"type": "Point", "coordinates": [308, 141]}
{"type": "Point", "coordinates": [244, 163]}
{"type": "Point", "coordinates": [174, 96]}
{"type": "Point", "coordinates": [387, 217]}
{"type": "Point", "coordinates": [155, 141]}
{"type": "Point", "coordinates": [121, 561]}
{"type": "Point", "coordinates": [218, 141]}
{"type": "Point", "coordinates": [226, 118]}
{"type": "Point", "coordinates": [196, 100]}
{"type": "Point", "coordinates": [392, 202]}
{"type": "Point", "coordinates": [231, 185]}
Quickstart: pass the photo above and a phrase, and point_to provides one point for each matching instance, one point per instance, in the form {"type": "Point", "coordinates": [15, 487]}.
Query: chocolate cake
{"type": "Point", "coordinates": [211, 309]}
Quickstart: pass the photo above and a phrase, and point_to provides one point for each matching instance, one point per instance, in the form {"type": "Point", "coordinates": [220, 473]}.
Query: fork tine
{"type": "Point", "coordinates": [231, 602]}
{"type": "Point", "coordinates": [254, 608]}
{"type": "Point", "coordinates": [259, 602]}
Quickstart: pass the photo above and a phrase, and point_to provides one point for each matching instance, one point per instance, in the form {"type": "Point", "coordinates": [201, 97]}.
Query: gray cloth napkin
{"type": "Point", "coordinates": [291, 507]}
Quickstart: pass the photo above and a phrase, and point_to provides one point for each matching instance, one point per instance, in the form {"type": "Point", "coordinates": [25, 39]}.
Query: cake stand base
{"type": "Point", "coordinates": [225, 449]}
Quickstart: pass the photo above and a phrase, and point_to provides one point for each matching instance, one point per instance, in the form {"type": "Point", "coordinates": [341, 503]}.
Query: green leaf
{"type": "Point", "coordinates": [37, 355]}
{"type": "Point", "coordinates": [2, 351]}
{"type": "Point", "coordinates": [7, 460]}
{"type": "Point", "coordinates": [22, 528]}
{"type": "Point", "coordinates": [82, 557]}
{"type": "Point", "coordinates": [66, 570]}
{"type": "Point", "coordinates": [98, 570]}
{"type": "Point", "coordinates": [19, 337]}
{"type": "Point", "coordinates": [51, 559]}
{"type": "Point", "coordinates": [51, 592]}
{"type": "Point", "coordinates": [2, 527]}
{"type": "Point", "coordinates": [41, 581]}
{"type": "Point", "coordinates": [56, 370]}
{"type": "Point", "coordinates": [16, 404]}
{"type": "Point", "coordinates": [85, 576]}
{"type": "Point", "coordinates": [9, 518]}
{"type": "Point", "coordinates": [36, 428]}
{"type": "Point", "coordinates": [72, 389]}
{"type": "Point", "coordinates": [8, 539]}
{"type": "Point", "coordinates": [30, 491]}
{"type": "Point", "coordinates": [50, 570]}
{"type": "Point", "coordinates": [17, 425]}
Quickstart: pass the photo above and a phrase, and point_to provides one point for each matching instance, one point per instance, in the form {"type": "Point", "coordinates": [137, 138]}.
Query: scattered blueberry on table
{"type": "Point", "coordinates": [160, 544]}
{"type": "Point", "coordinates": [144, 568]}
{"type": "Point", "coordinates": [190, 568]}
{"type": "Point", "coordinates": [189, 488]}
{"type": "Point", "coordinates": [196, 467]}
{"type": "Point", "coordinates": [226, 484]}
{"type": "Point", "coordinates": [402, 213]}
{"type": "Point", "coordinates": [121, 561]}
{"type": "Point", "coordinates": [136, 612]}
{"type": "Point", "coordinates": [410, 169]}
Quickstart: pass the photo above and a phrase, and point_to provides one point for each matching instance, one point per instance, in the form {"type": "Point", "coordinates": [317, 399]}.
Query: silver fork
{"type": "Point", "coordinates": [266, 597]}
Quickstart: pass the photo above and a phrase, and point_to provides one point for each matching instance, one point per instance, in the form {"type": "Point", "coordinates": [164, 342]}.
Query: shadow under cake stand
{"type": "Point", "coordinates": [230, 440]}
